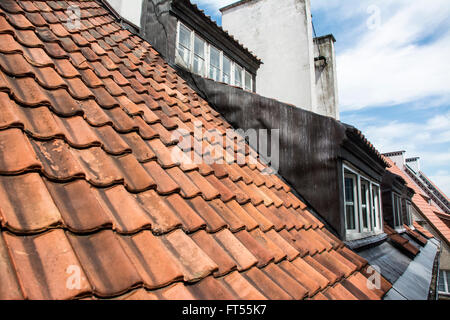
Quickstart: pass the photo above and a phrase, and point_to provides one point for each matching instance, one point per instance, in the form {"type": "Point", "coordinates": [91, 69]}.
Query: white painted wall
{"type": "Point", "coordinates": [128, 9]}
{"type": "Point", "coordinates": [279, 32]}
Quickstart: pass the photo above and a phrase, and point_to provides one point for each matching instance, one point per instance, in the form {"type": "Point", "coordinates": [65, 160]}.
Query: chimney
{"type": "Point", "coordinates": [398, 157]}
{"type": "Point", "coordinates": [413, 164]}
{"type": "Point", "coordinates": [280, 33]}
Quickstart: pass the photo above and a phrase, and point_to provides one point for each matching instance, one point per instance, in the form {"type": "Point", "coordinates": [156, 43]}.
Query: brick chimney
{"type": "Point", "coordinates": [414, 164]}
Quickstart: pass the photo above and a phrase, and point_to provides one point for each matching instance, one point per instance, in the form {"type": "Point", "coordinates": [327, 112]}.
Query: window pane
{"type": "Point", "coordinates": [441, 281]}
{"type": "Point", "coordinates": [199, 56]}
{"type": "Point", "coordinates": [199, 65]}
{"type": "Point", "coordinates": [238, 76]}
{"type": "Point", "coordinates": [350, 217]}
{"type": "Point", "coordinates": [349, 196]}
{"type": "Point", "coordinates": [214, 69]}
{"type": "Point", "coordinates": [199, 47]}
{"type": "Point", "coordinates": [226, 70]}
{"type": "Point", "coordinates": [363, 193]}
{"type": "Point", "coordinates": [185, 37]}
{"type": "Point", "coordinates": [185, 54]}
{"type": "Point", "coordinates": [248, 81]}
{"type": "Point", "coordinates": [375, 209]}
{"type": "Point", "coordinates": [448, 281]}
{"type": "Point", "coordinates": [215, 57]}
{"type": "Point", "coordinates": [364, 202]}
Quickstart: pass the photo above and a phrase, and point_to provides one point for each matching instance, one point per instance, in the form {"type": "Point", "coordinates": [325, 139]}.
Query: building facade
{"type": "Point", "coordinates": [428, 209]}
{"type": "Point", "coordinates": [298, 69]}
{"type": "Point", "coordinates": [190, 40]}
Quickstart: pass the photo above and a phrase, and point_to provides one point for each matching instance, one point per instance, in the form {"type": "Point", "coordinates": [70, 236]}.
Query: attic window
{"type": "Point", "coordinates": [362, 205]}
{"type": "Point", "coordinates": [199, 56]}
{"type": "Point", "coordinates": [202, 58]}
{"type": "Point", "coordinates": [214, 67]}
{"type": "Point", "coordinates": [238, 76]}
{"type": "Point", "coordinates": [444, 281]}
{"type": "Point", "coordinates": [248, 81]}
{"type": "Point", "coordinates": [397, 210]}
{"type": "Point", "coordinates": [409, 218]}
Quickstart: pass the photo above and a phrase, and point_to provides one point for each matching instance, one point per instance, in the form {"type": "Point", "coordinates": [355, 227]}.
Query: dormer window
{"type": "Point", "coordinates": [409, 218]}
{"type": "Point", "coordinates": [238, 75]}
{"type": "Point", "coordinates": [204, 59]}
{"type": "Point", "coordinates": [199, 56]}
{"type": "Point", "coordinates": [397, 211]}
{"type": "Point", "coordinates": [362, 205]}
{"type": "Point", "coordinates": [184, 44]}
{"type": "Point", "coordinates": [226, 72]}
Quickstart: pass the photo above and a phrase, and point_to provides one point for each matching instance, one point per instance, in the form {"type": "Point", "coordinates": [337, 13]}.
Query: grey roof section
{"type": "Point", "coordinates": [390, 260]}
{"type": "Point", "coordinates": [414, 283]}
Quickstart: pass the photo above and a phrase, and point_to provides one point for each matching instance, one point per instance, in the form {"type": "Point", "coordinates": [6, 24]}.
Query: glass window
{"type": "Point", "coordinates": [238, 75]}
{"type": "Point", "coordinates": [365, 203]}
{"type": "Point", "coordinates": [362, 205]}
{"type": "Point", "coordinates": [409, 219]}
{"type": "Point", "coordinates": [226, 72]}
{"type": "Point", "coordinates": [350, 201]}
{"type": "Point", "coordinates": [375, 217]}
{"type": "Point", "coordinates": [214, 64]}
{"type": "Point", "coordinates": [199, 56]}
{"type": "Point", "coordinates": [248, 81]}
{"type": "Point", "coordinates": [397, 210]}
{"type": "Point", "coordinates": [444, 281]}
{"type": "Point", "coordinates": [184, 44]}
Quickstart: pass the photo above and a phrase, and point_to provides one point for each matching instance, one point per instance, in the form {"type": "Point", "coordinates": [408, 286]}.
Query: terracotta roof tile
{"type": "Point", "coordinates": [103, 259]}
{"type": "Point", "coordinates": [339, 292]}
{"type": "Point", "coordinates": [17, 155]}
{"type": "Point", "coordinates": [267, 286]}
{"type": "Point", "coordinates": [26, 204]}
{"type": "Point", "coordinates": [241, 288]}
{"type": "Point", "coordinates": [257, 248]}
{"type": "Point", "coordinates": [88, 179]}
{"type": "Point", "coordinates": [10, 289]}
{"type": "Point", "coordinates": [211, 288]}
{"type": "Point", "coordinates": [155, 264]}
{"type": "Point", "coordinates": [43, 263]}
{"type": "Point", "coordinates": [127, 214]}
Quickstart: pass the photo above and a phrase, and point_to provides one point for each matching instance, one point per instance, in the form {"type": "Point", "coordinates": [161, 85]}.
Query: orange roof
{"type": "Point", "coordinates": [87, 182]}
{"type": "Point", "coordinates": [427, 210]}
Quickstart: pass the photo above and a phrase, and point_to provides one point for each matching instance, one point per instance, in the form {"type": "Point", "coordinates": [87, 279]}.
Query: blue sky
{"type": "Point", "coordinates": [393, 73]}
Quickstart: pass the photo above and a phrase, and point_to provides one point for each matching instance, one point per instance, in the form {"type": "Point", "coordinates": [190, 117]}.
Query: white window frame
{"type": "Point", "coordinates": [372, 229]}
{"type": "Point", "coordinates": [397, 207]}
{"type": "Point", "coordinates": [377, 206]}
{"type": "Point", "coordinates": [251, 81]}
{"type": "Point", "coordinates": [231, 68]}
{"type": "Point", "coordinates": [446, 283]}
{"type": "Point", "coordinates": [207, 53]}
{"type": "Point", "coordinates": [220, 66]}
{"type": "Point", "coordinates": [354, 203]}
{"type": "Point", "coordinates": [409, 216]}
{"type": "Point", "coordinates": [190, 63]}
{"type": "Point", "coordinates": [242, 76]}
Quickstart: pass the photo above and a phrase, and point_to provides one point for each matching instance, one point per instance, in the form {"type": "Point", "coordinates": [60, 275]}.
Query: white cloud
{"type": "Point", "coordinates": [442, 180]}
{"type": "Point", "coordinates": [389, 65]}
{"type": "Point", "coordinates": [428, 140]}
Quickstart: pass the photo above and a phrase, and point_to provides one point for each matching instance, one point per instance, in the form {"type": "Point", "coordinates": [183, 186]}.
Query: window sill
{"type": "Point", "coordinates": [400, 230]}
{"type": "Point", "coordinates": [365, 242]}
